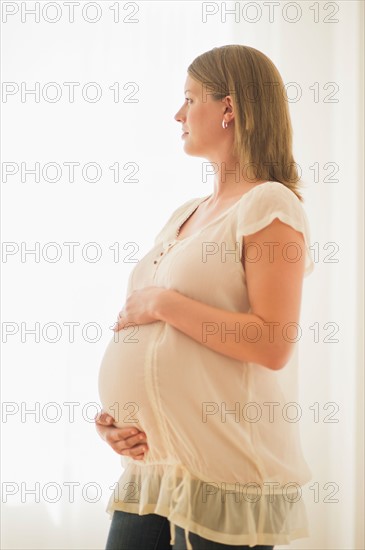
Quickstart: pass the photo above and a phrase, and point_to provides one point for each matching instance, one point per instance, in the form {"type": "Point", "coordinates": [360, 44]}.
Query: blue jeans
{"type": "Point", "coordinates": [152, 532]}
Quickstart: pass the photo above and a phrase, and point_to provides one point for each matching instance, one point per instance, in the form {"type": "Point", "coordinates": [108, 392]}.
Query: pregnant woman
{"type": "Point", "coordinates": [203, 361]}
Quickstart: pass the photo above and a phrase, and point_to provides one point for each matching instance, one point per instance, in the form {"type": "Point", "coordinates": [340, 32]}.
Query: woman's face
{"type": "Point", "coordinates": [201, 117]}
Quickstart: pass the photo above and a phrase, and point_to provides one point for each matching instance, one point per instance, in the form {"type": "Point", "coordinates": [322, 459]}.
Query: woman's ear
{"type": "Point", "coordinates": [229, 106]}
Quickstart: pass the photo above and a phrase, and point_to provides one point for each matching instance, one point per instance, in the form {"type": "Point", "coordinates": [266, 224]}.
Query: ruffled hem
{"type": "Point", "coordinates": [238, 514]}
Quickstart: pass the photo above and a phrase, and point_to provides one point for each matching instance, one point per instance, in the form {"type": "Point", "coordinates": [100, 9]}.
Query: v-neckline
{"type": "Point", "coordinates": [199, 202]}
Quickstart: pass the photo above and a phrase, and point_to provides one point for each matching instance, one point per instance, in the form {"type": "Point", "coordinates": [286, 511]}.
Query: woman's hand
{"type": "Point", "coordinates": [141, 307]}
{"type": "Point", "coordinates": [120, 439]}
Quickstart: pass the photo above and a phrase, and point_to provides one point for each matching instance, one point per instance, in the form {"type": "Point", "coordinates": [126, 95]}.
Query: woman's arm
{"type": "Point", "coordinates": [274, 283]}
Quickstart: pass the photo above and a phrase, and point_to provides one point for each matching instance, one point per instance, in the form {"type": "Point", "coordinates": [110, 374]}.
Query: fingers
{"type": "Point", "coordinates": [131, 446]}
{"type": "Point", "coordinates": [104, 418]}
{"type": "Point", "coordinates": [134, 452]}
{"type": "Point", "coordinates": [125, 441]}
{"type": "Point", "coordinates": [139, 457]}
{"type": "Point", "coordinates": [116, 436]}
{"type": "Point", "coordinates": [136, 440]}
{"type": "Point", "coordinates": [119, 322]}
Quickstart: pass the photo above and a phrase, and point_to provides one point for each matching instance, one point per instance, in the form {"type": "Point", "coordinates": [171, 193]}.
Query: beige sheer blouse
{"type": "Point", "coordinates": [224, 459]}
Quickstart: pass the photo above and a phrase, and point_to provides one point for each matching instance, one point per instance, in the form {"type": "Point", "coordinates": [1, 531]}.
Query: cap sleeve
{"type": "Point", "coordinates": [172, 219]}
{"type": "Point", "coordinates": [259, 207]}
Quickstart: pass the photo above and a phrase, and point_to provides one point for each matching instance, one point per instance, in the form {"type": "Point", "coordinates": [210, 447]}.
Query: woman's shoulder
{"type": "Point", "coordinates": [273, 200]}
{"type": "Point", "coordinates": [267, 197]}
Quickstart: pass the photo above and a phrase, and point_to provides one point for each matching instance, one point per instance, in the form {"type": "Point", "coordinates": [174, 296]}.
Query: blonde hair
{"type": "Point", "coordinates": [262, 127]}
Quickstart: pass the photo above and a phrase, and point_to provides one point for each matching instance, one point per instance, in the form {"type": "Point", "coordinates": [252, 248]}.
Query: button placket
{"type": "Point", "coordinates": [163, 253]}
{"type": "Point", "coordinates": [195, 207]}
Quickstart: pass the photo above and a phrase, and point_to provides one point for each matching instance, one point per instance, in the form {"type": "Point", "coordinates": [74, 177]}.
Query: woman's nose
{"type": "Point", "coordinates": [179, 115]}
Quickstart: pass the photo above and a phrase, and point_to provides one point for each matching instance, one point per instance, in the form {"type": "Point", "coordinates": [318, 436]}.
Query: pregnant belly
{"type": "Point", "coordinates": [124, 376]}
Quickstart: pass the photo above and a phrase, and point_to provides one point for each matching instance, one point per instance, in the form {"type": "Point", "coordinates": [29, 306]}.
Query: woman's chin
{"type": "Point", "coordinates": [192, 151]}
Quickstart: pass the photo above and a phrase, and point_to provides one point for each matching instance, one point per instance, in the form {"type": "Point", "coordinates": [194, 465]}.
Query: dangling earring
{"type": "Point", "coordinates": [224, 124]}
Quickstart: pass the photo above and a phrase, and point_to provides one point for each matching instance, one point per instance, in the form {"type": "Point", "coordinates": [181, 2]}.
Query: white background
{"type": "Point", "coordinates": [154, 52]}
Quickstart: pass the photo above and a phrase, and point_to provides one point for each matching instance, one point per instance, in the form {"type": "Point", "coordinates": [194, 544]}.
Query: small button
{"type": "Point", "coordinates": [161, 253]}
{"type": "Point", "coordinates": [155, 262]}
